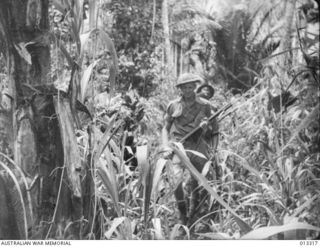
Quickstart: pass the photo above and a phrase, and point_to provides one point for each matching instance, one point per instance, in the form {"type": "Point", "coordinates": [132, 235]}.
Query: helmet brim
{"type": "Point", "coordinates": [187, 82]}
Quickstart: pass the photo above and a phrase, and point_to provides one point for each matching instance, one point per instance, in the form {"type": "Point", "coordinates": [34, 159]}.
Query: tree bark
{"type": "Point", "coordinates": [286, 58]}
{"type": "Point", "coordinates": [166, 32]}
{"type": "Point", "coordinates": [38, 147]}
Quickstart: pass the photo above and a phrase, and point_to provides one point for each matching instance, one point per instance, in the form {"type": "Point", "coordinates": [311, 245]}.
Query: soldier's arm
{"type": "Point", "coordinates": [203, 118]}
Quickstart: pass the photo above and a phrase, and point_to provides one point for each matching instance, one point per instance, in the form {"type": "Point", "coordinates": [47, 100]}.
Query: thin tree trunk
{"type": "Point", "coordinates": [286, 58]}
{"type": "Point", "coordinates": [166, 32]}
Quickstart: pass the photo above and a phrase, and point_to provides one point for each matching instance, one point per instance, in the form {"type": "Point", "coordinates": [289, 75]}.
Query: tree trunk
{"type": "Point", "coordinates": [166, 32]}
{"type": "Point", "coordinates": [286, 58]}
{"type": "Point", "coordinates": [38, 146]}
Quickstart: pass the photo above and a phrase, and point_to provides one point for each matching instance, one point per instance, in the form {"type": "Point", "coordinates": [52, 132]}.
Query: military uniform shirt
{"type": "Point", "coordinates": [184, 119]}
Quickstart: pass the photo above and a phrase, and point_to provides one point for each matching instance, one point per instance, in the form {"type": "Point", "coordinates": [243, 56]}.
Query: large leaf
{"type": "Point", "coordinates": [106, 40]}
{"type": "Point", "coordinates": [108, 178]}
{"type": "Point", "coordinates": [266, 232]}
{"type": "Point", "coordinates": [26, 184]}
{"type": "Point", "coordinates": [115, 224]}
{"type": "Point", "coordinates": [157, 228]}
{"type": "Point", "coordinates": [71, 153]}
{"type": "Point", "coordinates": [143, 163]}
{"type": "Point", "coordinates": [157, 174]}
{"type": "Point", "coordinates": [20, 196]}
{"type": "Point", "coordinates": [146, 176]}
{"type": "Point", "coordinates": [175, 231]}
{"type": "Point", "coordinates": [84, 38]}
{"type": "Point", "coordinates": [105, 139]}
{"type": "Point", "coordinates": [23, 52]}
{"type": "Point", "coordinates": [85, 79]}
{"type": "Point", "coordinates": [75, 34]}
{"type": "Point", "coordinates": [78, 14]}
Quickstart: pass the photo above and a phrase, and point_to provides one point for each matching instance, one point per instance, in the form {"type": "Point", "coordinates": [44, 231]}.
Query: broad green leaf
{"type": "Point", "coordinates": [175, 231]}
{"type": "Point", "coordinates": [146, 176]}
{"type": "Point", "coordinates": [266, 232]}
{"type": "Point", "coordinates": [106, 40]}
{"type": "Point", "coordinates": [104, 140]}
{"type": "Point", "coordinates": [116, 222]}
{"type": "Point", "coordinates": [206, 168]}
{"type": "Point", "coordinates": [84, 40]}
{"type": "Point", "coordinates": [78, 16]}
{"type": "Point", "coordinates": [27, 184]}
{"type": "Point", "coordinates": [115, 148]}
{"type": "Point", "coordinates": [196, 153]}
{"type": "Point", "coordinates": [111, 48]}
{"type": "Point", "coordinates": [293, 234]}
{"type": "Point", "coordinates": [23, 52]}
{"type": "Point", "coordinates": [71, 153]}
{"type": "Point", "coordinates": [143, 163]}
{"type": "Point", "coordinates": [157, 228]}
{"type": "Point", "coordinates": [85, 79]}
{"type": "Point", "coordinates": [16, 183]}
{"type": "Point", "coordinates": [75, 34]}
{"type": "Point", "coordinates": [157, 174]}
{"type": "Point", "coordinates": [108, 178]}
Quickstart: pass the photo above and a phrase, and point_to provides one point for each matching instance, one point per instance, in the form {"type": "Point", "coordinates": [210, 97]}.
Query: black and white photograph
{"type": "Point", "coordinates": [159, 120]}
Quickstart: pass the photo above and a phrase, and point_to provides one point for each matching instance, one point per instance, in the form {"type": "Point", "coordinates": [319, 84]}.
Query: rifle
{"type": "Point", "coordinates": [209, 119]}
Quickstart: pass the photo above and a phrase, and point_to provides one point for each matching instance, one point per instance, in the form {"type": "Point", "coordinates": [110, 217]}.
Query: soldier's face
{"type": "Point", "coordinates": [187, 90]}
{"type": "Point", "coordinates": [206, 92]}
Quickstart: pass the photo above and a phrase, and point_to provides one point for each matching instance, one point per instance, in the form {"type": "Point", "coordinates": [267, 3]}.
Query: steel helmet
{"type": "Point", "coordinates": [188, 78]}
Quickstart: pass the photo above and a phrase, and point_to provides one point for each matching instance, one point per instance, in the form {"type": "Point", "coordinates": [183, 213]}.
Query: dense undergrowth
{"type": "Point", "coordinates": [266, 169]}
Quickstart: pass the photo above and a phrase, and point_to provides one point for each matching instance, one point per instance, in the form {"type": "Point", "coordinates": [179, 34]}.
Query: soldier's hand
{"type": "Point", "coordinates": [204, 124]}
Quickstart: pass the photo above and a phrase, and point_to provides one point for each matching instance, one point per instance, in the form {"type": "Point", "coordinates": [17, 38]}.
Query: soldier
{"type": "Point", "coordinates": [182, 116]}
{"type": "Point", "coordinates": [205, 91]}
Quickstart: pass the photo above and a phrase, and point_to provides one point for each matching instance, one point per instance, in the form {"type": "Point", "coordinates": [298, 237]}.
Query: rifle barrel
{"type": "Point", "coordinates": [210, 118]}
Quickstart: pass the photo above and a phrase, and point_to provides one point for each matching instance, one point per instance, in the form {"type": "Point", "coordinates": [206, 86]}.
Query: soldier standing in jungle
{"type": "Point", "coordinates": [183, 115]}
{"type": "Point", "coordinates": [206, 91]}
